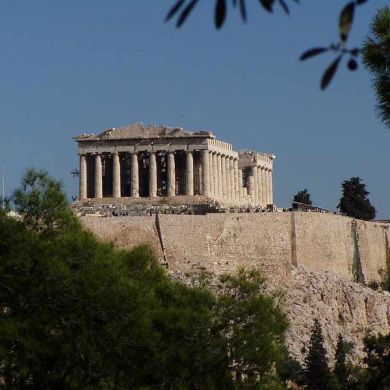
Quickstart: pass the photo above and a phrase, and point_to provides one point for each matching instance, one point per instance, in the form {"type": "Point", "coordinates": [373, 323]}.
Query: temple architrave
{"type": "Point", "coordinates": [149, 162]}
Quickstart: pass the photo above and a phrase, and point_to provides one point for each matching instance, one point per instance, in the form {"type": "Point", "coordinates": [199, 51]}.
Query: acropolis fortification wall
{"type": "Point", "coordinates": [272, 242]}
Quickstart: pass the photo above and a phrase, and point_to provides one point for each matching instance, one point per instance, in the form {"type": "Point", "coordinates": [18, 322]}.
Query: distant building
{"type": "Point", "coordinates": [155, 162]}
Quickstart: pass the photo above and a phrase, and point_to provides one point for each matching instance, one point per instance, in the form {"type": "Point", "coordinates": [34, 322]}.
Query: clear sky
{"type": "Point", "coordinates": [75, 66]}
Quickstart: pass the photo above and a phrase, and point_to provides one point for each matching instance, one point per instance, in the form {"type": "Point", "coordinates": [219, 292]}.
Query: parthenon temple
{"type": "Point", "coordinates": [157, 162]}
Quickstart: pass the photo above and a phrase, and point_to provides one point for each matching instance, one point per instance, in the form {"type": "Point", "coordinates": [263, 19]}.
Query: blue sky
{"type": "Point", "coordinates": [69, 67]}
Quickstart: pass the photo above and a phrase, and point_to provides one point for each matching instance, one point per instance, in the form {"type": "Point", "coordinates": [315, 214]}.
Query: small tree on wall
{"type": "Point", "coordinates": [303, 197]}
{"type": "Point", "coordinates": [354, 201]}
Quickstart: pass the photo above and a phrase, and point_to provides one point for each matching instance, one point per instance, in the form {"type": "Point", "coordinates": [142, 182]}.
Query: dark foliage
{"type": "Point", "coordinates": [340, 367]}
{"type": "Point", "coordinates": [317, 372]}
{"type": "Point", "coordinates": [183, 8]}
{"type": "Point", "coordinates": [377, 349]}
{"type": "Point", "coordinates": [354, 201]}
{"type": "Point", "coordinates": [376, 58]}
{"type": "Point", "coordinates": [303, 197]}
{"type": "Point", "coordinates": [289, 369]}
{"type": "Point", "coordinates": [76, 313]}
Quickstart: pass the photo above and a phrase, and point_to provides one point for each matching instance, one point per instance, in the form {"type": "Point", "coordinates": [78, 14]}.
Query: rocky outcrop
{"type": "Point", "coordinates": [341, 306]}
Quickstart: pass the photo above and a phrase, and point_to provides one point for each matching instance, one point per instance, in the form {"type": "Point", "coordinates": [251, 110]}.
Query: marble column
{"type": "Point", "coordinates": [83, 177]}
{"type": "Point", "coordinates": [240, 185]}
{"type": "Point", "coordinates": [250, 185]}
{"type": "Point", "coordinates": [215, 174]}
{"type": "Point", "coordinates": [211, 174]}
{"type": "Point", "coordinates": [223, 177]}
{"type": "Point", "coordinates": [255, 186]}
{"type": "Point", "coordinates": [171, 174]}
{"type": "Point", "coordinates": [116, 175]}
{"type": "Point", "coordinates": [236, 181]}
{"type": "Point", "coordinates": [205, 173]}
{"type": "Point", "coordinates": [270, 195]}
{"type": "Point", "coordinates": [98, 177]}
{"type": "Point", "coordinates": [264, 185]}
{"type": "Point", "coordinates": [189, 173]}
{"type": "Point", "coordinates": [228, 177]}
{"type": "Point", "coordinates": [267, 185]}
{"type": "Point", "coordinates": [219, 173]}
{"type": "Point", "coordinates": [259, 190]}
{"type": "Point", "coordinates": [134, 175]}
{"type": "Point", "coordinates": [232, 184]}
{"type": "Point", "coordinates": [152, 175]}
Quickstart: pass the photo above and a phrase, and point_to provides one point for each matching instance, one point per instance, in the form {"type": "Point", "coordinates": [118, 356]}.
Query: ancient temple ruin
{"type": "Point", "coordinates": [159, 163]}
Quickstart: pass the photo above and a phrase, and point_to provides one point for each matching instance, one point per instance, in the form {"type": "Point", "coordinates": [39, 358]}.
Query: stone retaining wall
{"type": "Point", "coordinates": [271, 242]}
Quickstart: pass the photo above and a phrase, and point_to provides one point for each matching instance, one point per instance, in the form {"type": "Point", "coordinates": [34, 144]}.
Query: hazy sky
{"type": "Point", "coordinates": [75, 66]}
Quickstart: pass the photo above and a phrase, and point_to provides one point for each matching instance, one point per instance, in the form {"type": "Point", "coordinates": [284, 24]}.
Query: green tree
{"type": "Point", "coordinates": [77, 313]}
{"type": "Point", "coordinates": [376, 58]}
{"type": "Point", "coordinates": [354, 201]}
{"type": "Point", "coordinates": [303, 197]}
{"type": "Point", "coordinates": [340, 367]}
{"type": "Point", "coordinates": [249, 318]}
{"type": "Point", "coordinates": [290, 370]}
{"type": "Point", "coordinates": [42, 203]}
{"type": "Point", "coordinates": [377, 349]}
{"type": "Point", "coordinates": [317, 372]}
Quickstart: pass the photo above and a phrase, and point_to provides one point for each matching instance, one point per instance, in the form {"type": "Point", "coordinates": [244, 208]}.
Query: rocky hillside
{"type": "Point", "coordinates": [342, 307]}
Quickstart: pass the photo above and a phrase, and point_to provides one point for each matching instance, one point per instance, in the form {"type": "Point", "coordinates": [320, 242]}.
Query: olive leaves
{"type": "Point", "coordinates": [183, 8]}
{"type": "Point", "coordinates": [345, 24]}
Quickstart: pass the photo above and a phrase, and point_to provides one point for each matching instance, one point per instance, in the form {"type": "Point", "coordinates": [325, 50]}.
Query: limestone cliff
{"type": "Point", "coordinates": [341, 306]}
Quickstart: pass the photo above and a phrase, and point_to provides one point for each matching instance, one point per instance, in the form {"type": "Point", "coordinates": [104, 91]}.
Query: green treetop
{"type": "Point", "coordinates": [303, 197]}
{"type": "Point", "coordinates": [354, 201]}
{"type": "Point", "coordinates": [376, 58]}
{"type": "Point", "coordinates": [78, 314]}
{"type": "Point", "coordinates": [317, 372]}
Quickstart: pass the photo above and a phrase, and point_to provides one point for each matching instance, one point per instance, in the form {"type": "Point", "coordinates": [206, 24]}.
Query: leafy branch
{"type": "Point", "coordinates": [346, 19]}
{"type": "Point", "coordinates": [182, 9]}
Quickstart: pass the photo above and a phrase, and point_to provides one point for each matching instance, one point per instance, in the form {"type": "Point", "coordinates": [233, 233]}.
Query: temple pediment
{"type": "Point", "coordinates": [139, 130]}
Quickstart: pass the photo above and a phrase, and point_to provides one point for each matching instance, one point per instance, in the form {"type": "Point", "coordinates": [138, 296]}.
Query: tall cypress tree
{"type": "Point", "coordinates": [340, 367]}
{"type": "Point", "coordinates": [317, 372]}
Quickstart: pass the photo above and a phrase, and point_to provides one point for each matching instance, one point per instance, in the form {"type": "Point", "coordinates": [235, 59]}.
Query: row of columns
{"type": "Point", "coordinates": [260, 185]}
{"type": "Point", "coordinates": [221, 178]}
{"type": "Point", "coordinates": [116, 176]}
{"type": "Point", "coordinates": [224, 180]}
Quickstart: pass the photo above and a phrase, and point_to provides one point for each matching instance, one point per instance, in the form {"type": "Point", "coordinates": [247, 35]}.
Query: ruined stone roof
{"type": "Point", "coordinates": [139, 130]}
{"type": "Point", "coordinates": [249, 158]}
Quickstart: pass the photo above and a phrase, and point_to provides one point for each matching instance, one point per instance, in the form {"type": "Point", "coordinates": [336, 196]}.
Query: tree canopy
{"type": "Point", "coordinates": [78, 314]}
{"type": "Point", "coordinates": [303, 197]}
{"type": "Point", "coordinates": [376, 58]}
{"type": "Point", "coordinates": [354, 201]}
{"type": "Point", "coordinates": [377, 349]}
